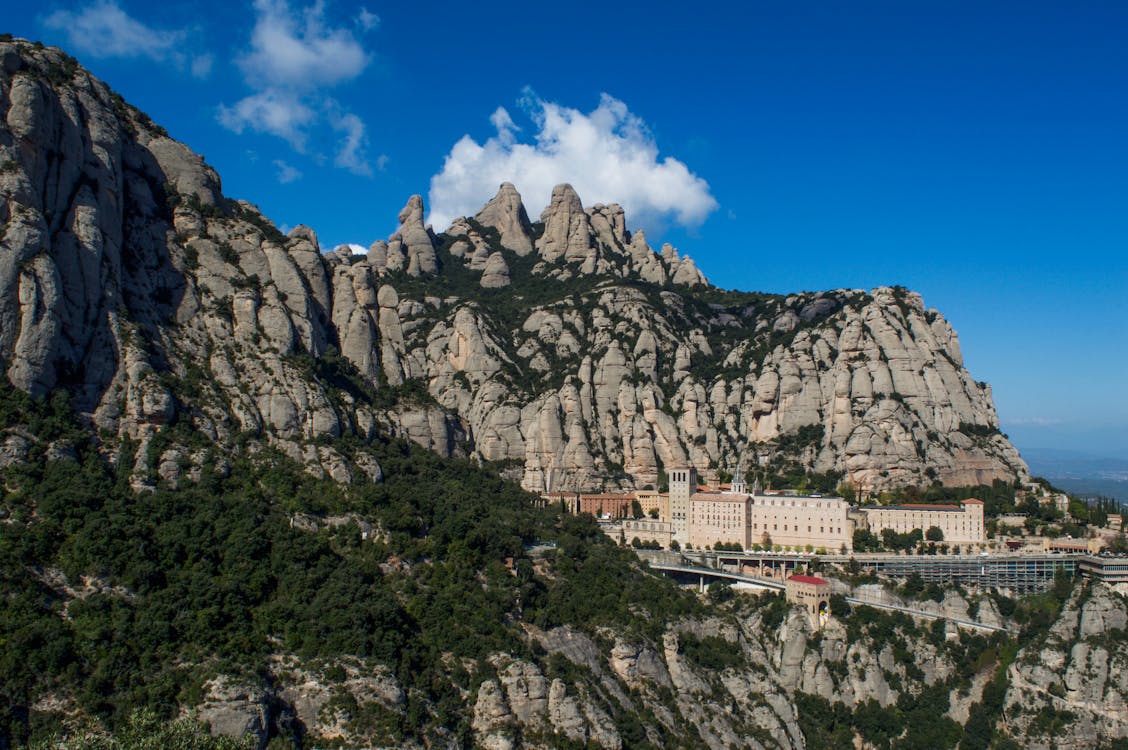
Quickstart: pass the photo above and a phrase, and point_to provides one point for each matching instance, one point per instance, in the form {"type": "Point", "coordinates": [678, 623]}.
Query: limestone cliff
{"type": "Point", "coordinates": [567, 347]}
{"type": "Point", "coordinates": [1068, 692]}
{"type": "Point", "coordinates": [753, 674]}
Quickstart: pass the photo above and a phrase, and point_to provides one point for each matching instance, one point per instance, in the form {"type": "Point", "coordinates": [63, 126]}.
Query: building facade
{"type": "Point", "coordinates": [601, 505]}
{"type": "Point", "coordinates": [718, 517]}
{"type": "Point", "coordinates": [812, 594]}
{"type": "Point", "coordinates": [654, 501]}
{"type": "Point", "coordinates": [798, 522]}
{"type": "Point", "coordinates": [801, 521]}
{"type": "Point", "coordinates": [607, 505]}
{"type": "Point", "coordinates": [683, 484]}
{"type": "Point", "coordinates": [960, 524]}
{"type": "Point", "coordinates": [647, 530]}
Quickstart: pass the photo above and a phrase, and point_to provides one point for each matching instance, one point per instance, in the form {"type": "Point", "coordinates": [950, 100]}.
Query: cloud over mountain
{"type": "Point", "coordinates": [295, 56]}
{"type": "Point", "coordinates": [103, 29]}
{"type": "Point", "coordinates": [608, 155]}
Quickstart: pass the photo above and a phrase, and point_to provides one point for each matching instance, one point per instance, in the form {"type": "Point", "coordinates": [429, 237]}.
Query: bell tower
{"type": "Point", "coordinates": [683, 483]}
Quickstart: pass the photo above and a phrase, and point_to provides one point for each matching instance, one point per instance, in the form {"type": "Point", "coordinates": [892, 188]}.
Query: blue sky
{"type": "Point", "coordinates": [976, 152]}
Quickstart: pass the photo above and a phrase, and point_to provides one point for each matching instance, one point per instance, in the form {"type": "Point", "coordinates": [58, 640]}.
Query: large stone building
{"type": "Point", "coordinates": [801, 521]}
{"type": "Point", "coordinates": [698, 518]}
{"type": "Point", "coordinates": [705, 518]}
{"type": "Point", "coordinates": [602, 505]}
{"type": "Point", "coordinates": [716, 517]}
{"type": "Point", "coordinates": [960, 524]}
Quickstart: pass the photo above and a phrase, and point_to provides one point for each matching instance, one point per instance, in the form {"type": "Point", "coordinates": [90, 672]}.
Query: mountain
{"type": "Point", "coordinates": [250, 537]}
{"type": "Point", "coordinates": [565, 348]}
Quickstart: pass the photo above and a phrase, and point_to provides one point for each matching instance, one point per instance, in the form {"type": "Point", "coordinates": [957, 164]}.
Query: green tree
{"type": "Point", "coordinates": [720, 592]}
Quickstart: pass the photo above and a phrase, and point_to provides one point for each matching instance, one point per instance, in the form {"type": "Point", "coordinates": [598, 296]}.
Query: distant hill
{"type": "Point", "coordinates": [1081, 473]}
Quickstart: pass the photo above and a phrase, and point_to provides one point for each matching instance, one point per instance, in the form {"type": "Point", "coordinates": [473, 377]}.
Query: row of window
{"type": "Point", "coordinates": [795, 528]}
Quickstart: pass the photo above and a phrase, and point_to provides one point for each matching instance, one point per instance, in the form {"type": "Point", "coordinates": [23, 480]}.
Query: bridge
{"type": "Point", "coordinates": [683, 572]}
{"type": "Point", "coordinates": [1017, 573]}
{"type": "Point", "coordinates": [716, 574]}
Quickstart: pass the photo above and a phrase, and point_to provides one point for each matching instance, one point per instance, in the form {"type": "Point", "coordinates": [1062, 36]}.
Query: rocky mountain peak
{"type": "Point", "coordinates": [506, 213]}
{"type": "Point", "coordinates": [412, 214]}
{"type": "Point", "coordinates": [567, 229]}
{"type": "Point", "coordinates": [412, 248]}
{"type": "Point", "coordinates": [581, 358]}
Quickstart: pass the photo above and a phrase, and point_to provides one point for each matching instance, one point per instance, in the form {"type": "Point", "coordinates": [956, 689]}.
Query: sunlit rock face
{"type": "Point", "coordinates": [568, 348]}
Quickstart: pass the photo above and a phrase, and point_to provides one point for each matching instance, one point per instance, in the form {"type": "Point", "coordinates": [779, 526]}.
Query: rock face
{"type": "Point", "coordinates": [568, 347]}
{"type": "Point", "coordinates": [1069, 691]}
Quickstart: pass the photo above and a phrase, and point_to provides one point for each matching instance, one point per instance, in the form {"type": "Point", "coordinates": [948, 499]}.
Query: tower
{"type": "Point", "coordinates": [683, 483]}
{"type": "Point", "coordinates": [738, 486]}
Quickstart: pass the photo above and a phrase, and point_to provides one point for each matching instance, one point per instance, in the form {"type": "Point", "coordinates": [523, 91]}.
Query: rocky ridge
{"type": "Point", "coordinates": [1069, 691]}
{"type": "Point", "coordinates": [584, 689]}
{"type": "Point", "coordinates": [567, 347]}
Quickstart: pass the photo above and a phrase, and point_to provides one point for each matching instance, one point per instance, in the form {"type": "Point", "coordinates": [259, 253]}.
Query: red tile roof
{"type": "Point", "coordinates": [810, 579]}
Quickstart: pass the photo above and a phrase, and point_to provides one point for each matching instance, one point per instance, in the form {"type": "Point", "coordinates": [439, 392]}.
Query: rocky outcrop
{"type": "Point", "coordinates": [231, 709]}
{"type": "Point", "coordinates": [1069, 691]}
{"type": "Point", "coordinates": [568, 348]}
{"type": "Point", "coordinates": [506, 213]}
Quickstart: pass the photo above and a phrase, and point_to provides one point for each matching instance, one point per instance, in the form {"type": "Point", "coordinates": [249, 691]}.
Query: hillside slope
{"type": "Point", "coordinates": [441, 608]}
{"type": "Point", "coordinates": [567, 348]}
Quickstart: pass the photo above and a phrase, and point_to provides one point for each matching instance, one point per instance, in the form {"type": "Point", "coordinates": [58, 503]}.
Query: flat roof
{"type": "Point", "coordinates": [915, 506]}
{"type": "Point", "coordinates": [720, 497]}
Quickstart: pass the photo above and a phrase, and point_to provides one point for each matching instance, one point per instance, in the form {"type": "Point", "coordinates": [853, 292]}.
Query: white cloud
{"type": "Point", "coordinates": [608, 155]}
{"type": "Point", "coordinates": [295, 56]}
{"type": "Point", "coordinates": [1035, 421]}
{"type": "Point", "coordinates": [286, 173]}
{"type": "Point", "coordinates": [367, 21]}
{"type": "Point", "coordinates": [201, 66]}
{"type": "Point", "coordinates": [299, 51]}
{"type": "Point", "coordinates": [351, 155]}
{"type": "Point", "coordinates": [279, 113]}
{"type": "Point", "coordinates": [103, 30]}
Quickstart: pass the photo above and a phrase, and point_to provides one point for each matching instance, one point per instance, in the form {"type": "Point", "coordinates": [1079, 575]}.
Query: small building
{"type": "Point", "coordinates": [647, 531]}
{"type": "Point", "coordinates": [653, 500]}
{"type": "Point", "coordinates": [1064, 544]}
{"type": "Point", "coordinates": [812, 594]}
{"type": "Point", "coordinates": [607, 505]}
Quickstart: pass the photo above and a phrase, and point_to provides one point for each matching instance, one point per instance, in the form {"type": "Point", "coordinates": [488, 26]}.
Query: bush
{"type": "Point", "coordinates": [710, 652]}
